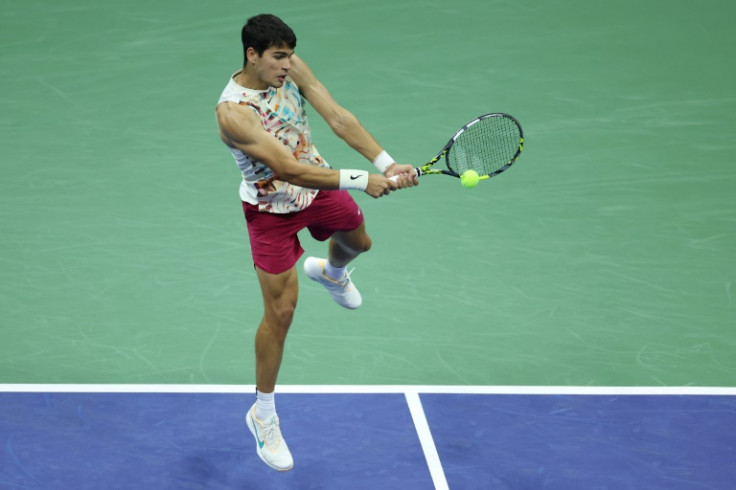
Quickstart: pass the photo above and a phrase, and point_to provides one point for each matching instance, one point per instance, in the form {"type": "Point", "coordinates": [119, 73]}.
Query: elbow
{"type": "Point", "coordinates": [342, 124]}
{"type": "Point", "coordinates": [289, 174]}
{"type": "Point", "coordinates": [295, 174]}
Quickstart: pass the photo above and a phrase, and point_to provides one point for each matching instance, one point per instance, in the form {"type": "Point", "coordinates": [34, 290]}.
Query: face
{"type": "Point", "coordinates": [272, 67]}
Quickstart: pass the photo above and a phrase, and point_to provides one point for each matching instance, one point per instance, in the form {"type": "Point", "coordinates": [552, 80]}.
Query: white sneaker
{"type": "Point", "coordinates": [270, 446]}
{"type": "Point", "coordinates": [343, 291]}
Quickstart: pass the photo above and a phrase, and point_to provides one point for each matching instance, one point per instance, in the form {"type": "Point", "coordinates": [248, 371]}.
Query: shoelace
{"type": "Point", "coordinates": [271, 434]}
{"type": "Point", "coordinates": [346, 280]}
{"type": "Point", "coordinates": [342, 283]}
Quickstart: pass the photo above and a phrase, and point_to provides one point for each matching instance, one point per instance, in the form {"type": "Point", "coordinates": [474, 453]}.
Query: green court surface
{"type": "Point", "coordinates": [605, 257]}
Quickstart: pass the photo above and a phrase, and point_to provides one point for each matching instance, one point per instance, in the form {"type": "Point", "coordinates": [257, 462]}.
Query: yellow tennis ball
{"type": "Point", "coordinates": [469, 178]}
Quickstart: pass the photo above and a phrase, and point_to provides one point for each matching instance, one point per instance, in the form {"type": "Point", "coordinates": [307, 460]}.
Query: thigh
{"type": "Point", "coordinates": [280, 291]}
{"type": "Point", "coordinates": [273, 239]}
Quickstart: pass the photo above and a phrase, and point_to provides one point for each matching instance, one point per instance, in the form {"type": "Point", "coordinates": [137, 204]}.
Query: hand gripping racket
{"type": "Point", "coordinates": [487, 145]}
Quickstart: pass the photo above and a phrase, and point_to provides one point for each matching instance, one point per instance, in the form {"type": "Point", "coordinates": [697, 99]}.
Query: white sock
{"type": "Point", "coordinates": [334, 272]}
{"type": "Point", "coordinates": [265, 406]}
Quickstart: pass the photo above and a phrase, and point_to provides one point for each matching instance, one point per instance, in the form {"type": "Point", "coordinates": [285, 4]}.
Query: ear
{"type": "Point", "coordinates": [251, 55]}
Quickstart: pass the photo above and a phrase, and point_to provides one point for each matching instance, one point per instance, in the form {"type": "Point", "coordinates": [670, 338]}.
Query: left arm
{"type": "Point", "coordinates": [344, 124]}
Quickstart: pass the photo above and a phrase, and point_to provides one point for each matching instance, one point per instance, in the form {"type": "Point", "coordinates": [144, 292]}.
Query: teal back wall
{"type": "Point", "coordinates": [606, 256]}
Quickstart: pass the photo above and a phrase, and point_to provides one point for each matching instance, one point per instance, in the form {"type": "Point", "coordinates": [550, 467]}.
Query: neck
{"type": "Point", "coordinates": [246, 78]}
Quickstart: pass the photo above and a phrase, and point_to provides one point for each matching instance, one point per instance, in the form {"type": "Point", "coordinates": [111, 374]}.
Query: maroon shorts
{"type": "Point", "coordinates": [273, 237]}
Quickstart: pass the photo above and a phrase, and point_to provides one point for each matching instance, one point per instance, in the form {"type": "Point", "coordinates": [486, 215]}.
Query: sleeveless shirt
{"type": "Point", "coordinates": [282, 114]}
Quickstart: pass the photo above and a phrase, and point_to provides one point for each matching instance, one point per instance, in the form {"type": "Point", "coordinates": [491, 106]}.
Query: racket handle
{"type": "Point", "coordinates": [418, 171]}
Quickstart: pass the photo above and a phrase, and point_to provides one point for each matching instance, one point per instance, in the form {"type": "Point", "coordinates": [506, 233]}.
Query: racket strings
{"type": "Point", "coordinates": [488, 146]}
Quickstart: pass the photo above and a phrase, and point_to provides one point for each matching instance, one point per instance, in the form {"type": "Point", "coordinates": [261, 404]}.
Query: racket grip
{"type": "Point", "coordinates": [418, 171]}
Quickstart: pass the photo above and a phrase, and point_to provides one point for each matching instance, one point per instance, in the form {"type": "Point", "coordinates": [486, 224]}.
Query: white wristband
{"type": "Point", "coordinates": [353, 179]}
{"type": "Point", "coordinates": [383, 161]}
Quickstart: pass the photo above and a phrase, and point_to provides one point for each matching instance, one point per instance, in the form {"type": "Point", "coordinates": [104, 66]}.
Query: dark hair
{"type": "Point", "coordinates": [264, 31]}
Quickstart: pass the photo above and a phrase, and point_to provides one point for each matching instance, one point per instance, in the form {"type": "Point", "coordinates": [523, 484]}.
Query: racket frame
{"type": "Point", "coordinates": [427, 169]}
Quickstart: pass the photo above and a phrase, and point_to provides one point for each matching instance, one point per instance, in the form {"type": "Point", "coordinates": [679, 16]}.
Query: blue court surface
{"type": "Point", "coordinates": [378, 439]}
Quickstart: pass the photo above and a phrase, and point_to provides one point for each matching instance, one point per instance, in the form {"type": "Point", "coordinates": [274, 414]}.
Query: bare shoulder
{"type": "Point", "coordinates": [312, 89]}
{"type": "Point", "coordinates": [229, 112]}
{"type": "Point", "coordinates": [301, 73]}
{"type": "Point", "coordinates": [236, 121]}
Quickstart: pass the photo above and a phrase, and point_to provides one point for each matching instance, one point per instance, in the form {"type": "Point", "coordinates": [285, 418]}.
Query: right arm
{"type": "Point", "coordinates": [241, 128]}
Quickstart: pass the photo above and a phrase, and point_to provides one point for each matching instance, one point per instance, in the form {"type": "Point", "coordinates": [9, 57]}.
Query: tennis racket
{"type": "Point", "coordinates": [488, 145]}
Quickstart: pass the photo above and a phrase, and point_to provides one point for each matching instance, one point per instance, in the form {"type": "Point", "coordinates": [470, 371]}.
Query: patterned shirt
{"type": "Point", "coordinates": [282, 114]}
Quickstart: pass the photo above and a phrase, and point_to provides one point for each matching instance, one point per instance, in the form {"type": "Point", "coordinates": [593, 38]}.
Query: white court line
{"type": "Point", "coordinates": [370, 389]}
{"type": "Point", "coordinates": [426, 440]}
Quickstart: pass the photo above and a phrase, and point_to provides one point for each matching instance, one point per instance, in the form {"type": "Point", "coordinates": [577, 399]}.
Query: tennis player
{"type": "Point", "coordinates": [287, 186]}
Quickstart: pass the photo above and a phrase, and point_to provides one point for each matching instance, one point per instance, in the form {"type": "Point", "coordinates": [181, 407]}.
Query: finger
{"type": "Point", "coordinates": [404, 180]}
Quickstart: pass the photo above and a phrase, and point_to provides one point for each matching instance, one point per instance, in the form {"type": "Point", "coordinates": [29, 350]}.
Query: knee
{"type": "Point", "coordinates": [351, 243]}
{"type": "Point", "coordinates": [279, 318]}
{"type": "Point", "coordinates": [366, 244]}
